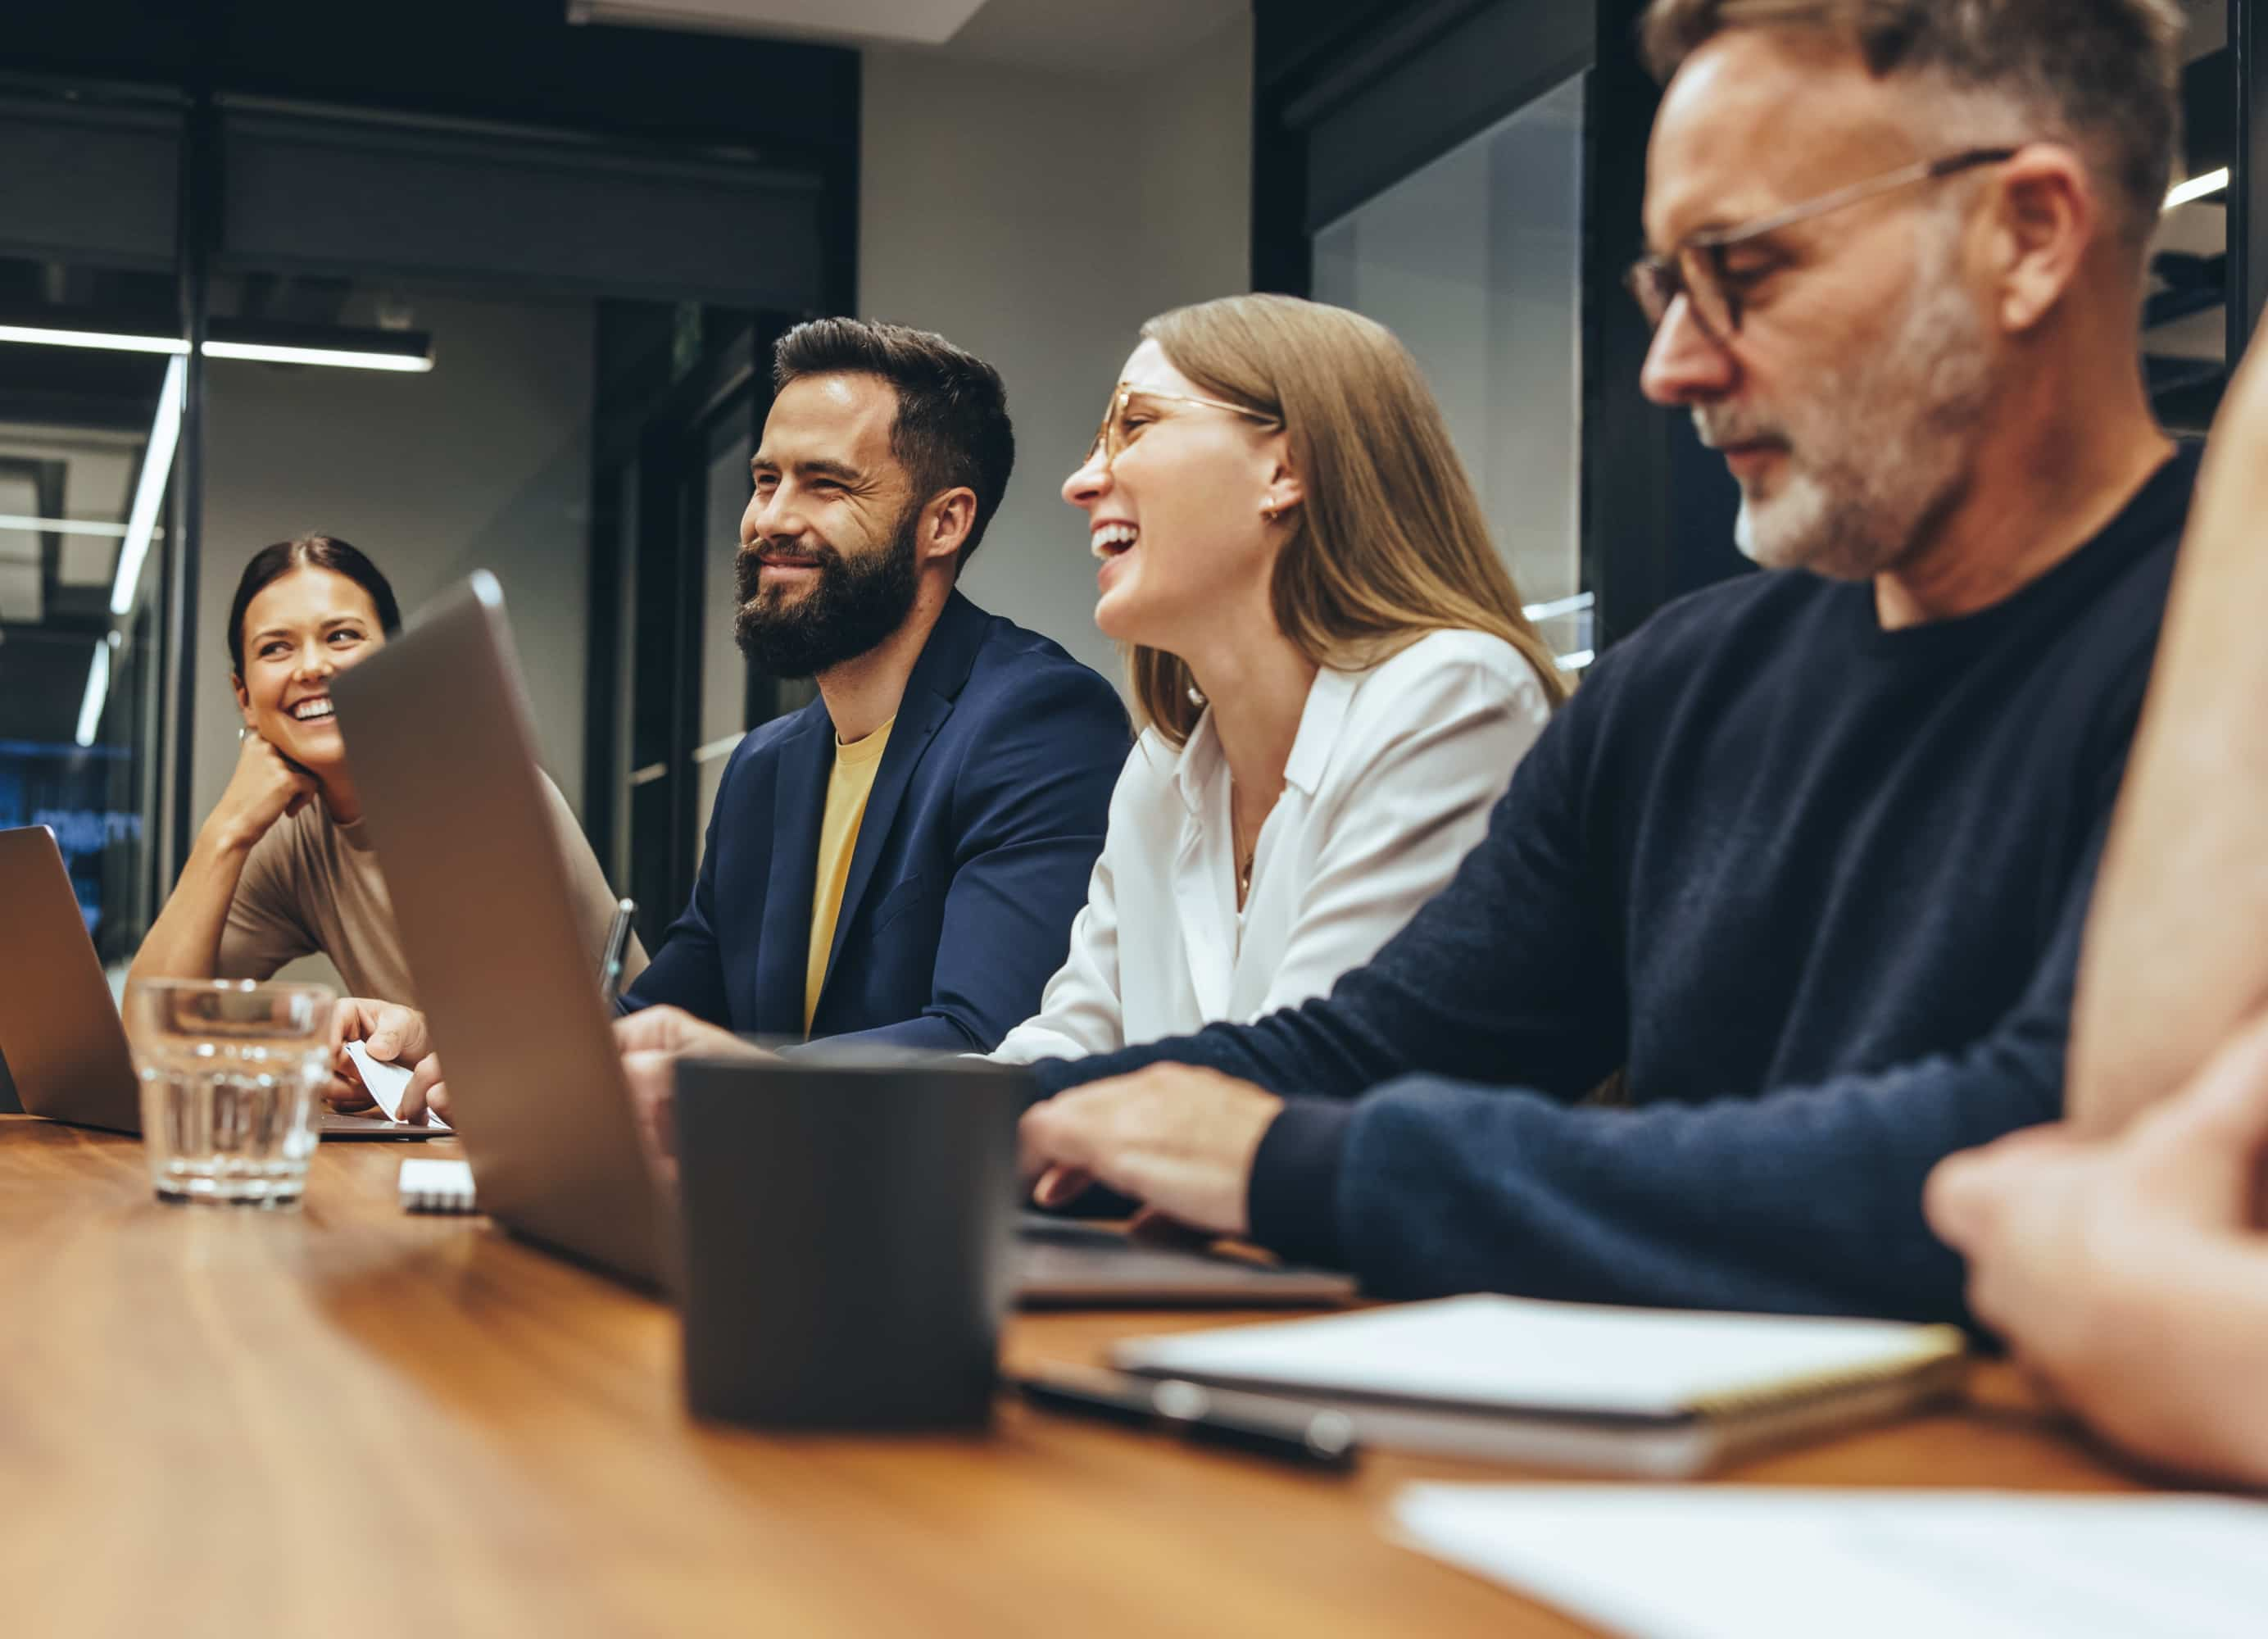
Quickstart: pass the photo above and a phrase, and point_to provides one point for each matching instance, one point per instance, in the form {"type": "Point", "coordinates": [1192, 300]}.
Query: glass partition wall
{"type": "Point", "coordinates": [1473, 176]}
{"type": "Point", "coordinates": [1476, 261]}
{"type": "Point", "coordinates": [247, 294]}
{"type": "Point", "coordinates": [88, 437]}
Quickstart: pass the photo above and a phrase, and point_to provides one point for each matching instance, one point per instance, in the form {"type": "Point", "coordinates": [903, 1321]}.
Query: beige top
{"type": "Point", "coordinates": [311, 886]}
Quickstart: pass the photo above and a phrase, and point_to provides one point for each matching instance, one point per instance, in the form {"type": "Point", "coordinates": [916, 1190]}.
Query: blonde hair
{"type": "Point", "coordinates": [1388, 542]}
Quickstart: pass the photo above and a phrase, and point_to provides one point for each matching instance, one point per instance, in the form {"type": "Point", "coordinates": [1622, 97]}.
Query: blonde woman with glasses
{"type": "Point", "coordinates": [1330, 661]}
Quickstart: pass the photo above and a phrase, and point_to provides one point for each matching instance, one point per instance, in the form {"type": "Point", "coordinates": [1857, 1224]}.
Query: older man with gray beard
{"type": "Point", "coordinates": [1806, 859]}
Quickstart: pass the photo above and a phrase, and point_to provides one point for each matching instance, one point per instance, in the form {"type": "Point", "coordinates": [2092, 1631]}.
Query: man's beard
{"type": "Point", "coordinates": [1881, 452]}
{"type": "Point", "coordinates": [852, 605]}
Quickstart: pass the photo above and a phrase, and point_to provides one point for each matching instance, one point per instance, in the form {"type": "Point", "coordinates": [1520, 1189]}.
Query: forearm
{"type": "Point", "coordinates": [184, 943]}
{"type": "Point", "coordinates": [1804, 1200]}
{"type": "Point", "coordinates": [2172, 1356]}
{"type": "Point", "coordinates": [1297, 1051]}
{"type": "Point", "coordinates": [2174, 961]}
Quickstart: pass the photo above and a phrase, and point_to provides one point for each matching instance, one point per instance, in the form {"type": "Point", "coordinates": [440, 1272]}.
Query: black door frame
{"type": "Point", "coordinates": [2248, 191]}
{"type": "Point", "coordinates": [668, 435]}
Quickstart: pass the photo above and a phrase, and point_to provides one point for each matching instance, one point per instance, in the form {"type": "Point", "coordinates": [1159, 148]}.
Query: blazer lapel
{"type": "Point", "coordinates": [807, 759]}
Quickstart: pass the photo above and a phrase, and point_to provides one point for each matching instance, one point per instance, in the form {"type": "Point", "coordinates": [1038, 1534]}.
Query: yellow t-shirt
{"type": "Point", "coordinates": [848, 787]}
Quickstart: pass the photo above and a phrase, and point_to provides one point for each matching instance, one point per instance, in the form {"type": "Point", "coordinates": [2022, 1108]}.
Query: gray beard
{"type": "Point", "coordinates": [1882, 451]}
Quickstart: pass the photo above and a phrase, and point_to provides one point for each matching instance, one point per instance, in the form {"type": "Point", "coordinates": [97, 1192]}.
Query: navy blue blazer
{"type": "Point", "coordinates": [986, 816]}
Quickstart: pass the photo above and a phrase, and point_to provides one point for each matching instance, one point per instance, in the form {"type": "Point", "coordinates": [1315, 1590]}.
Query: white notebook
{"type": "Point", "coordinates": [436, 1185]}
{"type": "Point", "coordinates": [1773, 1562]}
{"type": "Point", "coordinates": [1660, 1393]}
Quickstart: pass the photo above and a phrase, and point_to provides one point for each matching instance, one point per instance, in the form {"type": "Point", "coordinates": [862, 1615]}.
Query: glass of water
{"type": "Point", "coordinates": [232, 1076]}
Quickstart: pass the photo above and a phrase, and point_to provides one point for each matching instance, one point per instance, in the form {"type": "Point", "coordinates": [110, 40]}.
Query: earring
{"type": "Point", "coordinates": [1196, 698]}
{"type": "Point", "coordinates": [1268, 511]}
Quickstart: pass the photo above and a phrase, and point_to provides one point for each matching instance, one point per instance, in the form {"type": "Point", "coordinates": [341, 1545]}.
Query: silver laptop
{"type": "Point", "coordinates": [59, 1030]}
{"type": "Point", "coordinates": [445, 762]}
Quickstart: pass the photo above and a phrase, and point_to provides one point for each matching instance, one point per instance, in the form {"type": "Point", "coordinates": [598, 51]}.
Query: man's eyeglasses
{"type": "Point", "coordinates": [1698, 269]}
{"type": "Point", "coordinates": [1110, 437]}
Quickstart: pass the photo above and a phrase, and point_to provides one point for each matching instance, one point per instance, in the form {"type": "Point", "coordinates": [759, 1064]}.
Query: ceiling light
{"type": "Point", "coordinates": [108, 340]}
{"type": "Point", "coordinates": [409, 351]}
{"type": "Point", "coordinates": [157, 468]}
{"type": "Point", "coordinates": [343, 358]}
{"type": "Point", "coordinates": [2198, 187]}
{"type": "Point", "coordinates": [98, 690]}
{"type": "Point", "coordinates": [63, 526]}
{"type": "Point", "coordinates": [1557, 607]}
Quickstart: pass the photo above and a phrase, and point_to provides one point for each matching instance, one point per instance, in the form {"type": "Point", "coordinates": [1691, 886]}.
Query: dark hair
{"type": "Point", "coordinates": [952, 427]}
{"type": "Point", "coordinates": [2105, 74]}
{"type": "Point", "coordinates": [271, 563]}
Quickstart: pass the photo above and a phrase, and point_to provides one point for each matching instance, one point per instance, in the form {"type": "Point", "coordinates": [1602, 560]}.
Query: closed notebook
{"type": "Point", "coordinates": [1664, 1393]}
{"type": "Point", "coordinates": [432, 1186]}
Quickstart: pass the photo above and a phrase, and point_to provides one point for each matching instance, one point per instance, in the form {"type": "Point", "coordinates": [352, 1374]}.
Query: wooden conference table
{"type": "Point", "coordinates": [348, 1421]}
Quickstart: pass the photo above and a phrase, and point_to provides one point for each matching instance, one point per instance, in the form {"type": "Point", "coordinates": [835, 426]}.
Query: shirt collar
{"type": "Point", "coordinates": [1319, 721]}
{"type": "Point", "coordinates": [1318, 730]}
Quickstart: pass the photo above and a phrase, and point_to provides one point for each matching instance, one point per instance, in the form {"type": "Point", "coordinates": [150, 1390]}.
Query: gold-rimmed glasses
{"type": "Point", "coordinates": [1110, 437]}
{"type": "Point", "coordinates": [1696, 268]}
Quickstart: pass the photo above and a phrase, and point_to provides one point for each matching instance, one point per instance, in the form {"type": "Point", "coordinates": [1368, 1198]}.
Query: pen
{"type": "Point", "coordinates": [1260, 1424]}
{"type": "Point", "coordinates": [618, 944]}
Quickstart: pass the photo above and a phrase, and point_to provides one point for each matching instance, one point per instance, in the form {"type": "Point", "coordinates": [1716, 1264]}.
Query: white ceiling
{"type": "Point", "coordinates": [912, 22]}
{"type": "Point", "coordinates": [1094, 36]}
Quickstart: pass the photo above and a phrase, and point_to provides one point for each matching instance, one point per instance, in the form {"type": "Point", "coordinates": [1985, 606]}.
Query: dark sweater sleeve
{"type": "Point", "coordinates": [1807, 1200]}
{"type": "Point", "coordinates": [1510, 971]}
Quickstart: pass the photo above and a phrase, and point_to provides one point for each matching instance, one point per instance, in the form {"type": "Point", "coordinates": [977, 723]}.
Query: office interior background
{"type": "Point", "coordinates": [492, 282]}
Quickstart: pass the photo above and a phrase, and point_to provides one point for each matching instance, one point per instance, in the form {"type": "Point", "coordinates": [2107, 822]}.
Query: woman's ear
{"type": "Point", "coordinates": [243, 699]}
{"type": "Point", "coordinates": [1285, 489]}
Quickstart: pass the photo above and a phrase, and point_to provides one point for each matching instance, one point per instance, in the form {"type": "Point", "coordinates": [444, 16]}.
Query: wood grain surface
{"type": "Point", "coordinates": [348, 1421]}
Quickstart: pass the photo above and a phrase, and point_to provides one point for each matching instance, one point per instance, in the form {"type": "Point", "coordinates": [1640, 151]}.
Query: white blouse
{"type": "Point", "coordinates": [1389, 785]}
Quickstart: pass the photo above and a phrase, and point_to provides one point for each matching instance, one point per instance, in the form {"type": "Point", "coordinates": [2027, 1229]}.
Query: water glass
{"type": "Point", "coordinates": [232, 1074]}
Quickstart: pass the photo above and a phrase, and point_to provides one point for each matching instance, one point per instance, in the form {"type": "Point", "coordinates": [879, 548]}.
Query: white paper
{"type": "Point", "coordinates": [387, 1082]}
{"type": "Point", "coordinates": [1717, 1562]}
{"type": "Point", "coordinates": [1523, 1353]}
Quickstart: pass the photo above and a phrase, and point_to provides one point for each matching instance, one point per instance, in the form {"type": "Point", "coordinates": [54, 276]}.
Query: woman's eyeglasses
{"type": "Point", "coordinates": [1110, 437]}
{"type": "Point", "coordinates": [1697, 268]}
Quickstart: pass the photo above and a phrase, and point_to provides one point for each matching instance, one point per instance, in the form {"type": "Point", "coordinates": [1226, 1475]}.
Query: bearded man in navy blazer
{"type": "Point", "coordinates": [902, 858]}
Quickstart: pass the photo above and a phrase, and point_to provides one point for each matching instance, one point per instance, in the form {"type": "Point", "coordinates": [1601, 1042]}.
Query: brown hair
{"type": "Point", "coordinates": [952, 427]}
{"type": "Point", "coordinates": [2103, 75]}
{"type": "Point", "coordinates": [1388, 542]}
{"type": "Point", "coordinates": [271, 563]}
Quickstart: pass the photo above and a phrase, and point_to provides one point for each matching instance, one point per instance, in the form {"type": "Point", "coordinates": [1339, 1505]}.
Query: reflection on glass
{"type": "Point", "coordinates": [2185, 310]}
{"type": "Point", "coordinates": [87, 438]}
{"type": "Point", "coordinates": [1476, 262]}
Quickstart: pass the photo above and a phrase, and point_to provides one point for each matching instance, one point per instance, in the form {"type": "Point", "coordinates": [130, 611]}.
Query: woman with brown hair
{"type": "Point", "coordinates": [283, 868]}
{"type": "Point", "coordinates": [1329, 660]}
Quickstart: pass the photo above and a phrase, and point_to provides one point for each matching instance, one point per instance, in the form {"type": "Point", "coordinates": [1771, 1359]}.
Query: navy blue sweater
{"type": "Point", "coordinates": [1815, 889]}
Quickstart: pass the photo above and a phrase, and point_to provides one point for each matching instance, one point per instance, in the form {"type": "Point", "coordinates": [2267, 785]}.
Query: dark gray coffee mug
{"type": "Point", "coordinates": [846, 1239]}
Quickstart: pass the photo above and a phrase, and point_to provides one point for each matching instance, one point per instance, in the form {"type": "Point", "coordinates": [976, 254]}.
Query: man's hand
{"type": "Point", "coordinates": [1179, 1139]}
{"type": "Point", "coordinates": [652, 1041]}
{"type": "Point", "coordinates": [388, 1032]}
{"type": "Point", "coordinates": [2100, 1261]}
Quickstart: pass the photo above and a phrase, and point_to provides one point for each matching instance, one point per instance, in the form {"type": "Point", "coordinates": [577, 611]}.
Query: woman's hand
{"type": "Point", "coordinates": [390, 1033]}
{"type": "Point", "coordinates": [266, 786]}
